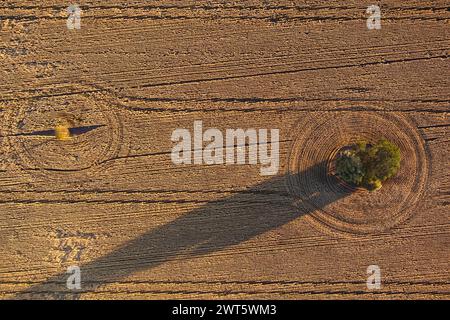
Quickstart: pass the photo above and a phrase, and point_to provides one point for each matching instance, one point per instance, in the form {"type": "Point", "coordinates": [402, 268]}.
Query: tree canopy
{"type": "Point", "coordinates": [368, 165]}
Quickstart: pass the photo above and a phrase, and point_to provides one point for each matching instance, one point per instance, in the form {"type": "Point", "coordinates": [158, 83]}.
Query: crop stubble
{"type": "Point", "coordinates": [312, 70]}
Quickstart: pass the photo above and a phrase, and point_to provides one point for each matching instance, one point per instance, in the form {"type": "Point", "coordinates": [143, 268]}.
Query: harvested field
{"type": "Point", "coordinates": [112, 201]}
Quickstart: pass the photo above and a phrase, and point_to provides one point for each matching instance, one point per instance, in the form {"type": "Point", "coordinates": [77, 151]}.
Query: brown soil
{"type": "Point", "coordinates": [111, 201]}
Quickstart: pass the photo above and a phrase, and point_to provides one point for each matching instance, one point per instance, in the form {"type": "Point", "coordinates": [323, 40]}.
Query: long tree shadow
{"type": "Point", "coordinates": [211, 228]}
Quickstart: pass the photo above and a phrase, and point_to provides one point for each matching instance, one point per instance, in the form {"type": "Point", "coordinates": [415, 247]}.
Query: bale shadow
{"type": "Point", "coordinates": [211, 228]}
{"type": "Point", "coordinates": [52, 132]}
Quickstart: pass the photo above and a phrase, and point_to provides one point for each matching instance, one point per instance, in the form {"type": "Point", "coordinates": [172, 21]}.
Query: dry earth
{"type": "Point", "coordinates": [112, 202]}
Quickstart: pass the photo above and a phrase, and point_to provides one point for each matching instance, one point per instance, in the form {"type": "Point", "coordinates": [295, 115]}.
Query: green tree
{"type": "Point", "coordinates": [369, 165]}
{"type": "Point", "coordinates": [382, 163]}
{"type": "Point", "coordinates": [349, 167]}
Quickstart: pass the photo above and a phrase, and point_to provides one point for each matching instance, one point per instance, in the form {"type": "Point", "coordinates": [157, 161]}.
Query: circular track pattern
{"type": "Point", "coordinates": [99, 136]}
{"type": "Point", "coordinates": [332, 205]}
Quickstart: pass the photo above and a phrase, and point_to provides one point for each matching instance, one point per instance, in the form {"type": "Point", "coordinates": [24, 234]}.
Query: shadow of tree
{"type": "Point", "coordinates": [211, 228]}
